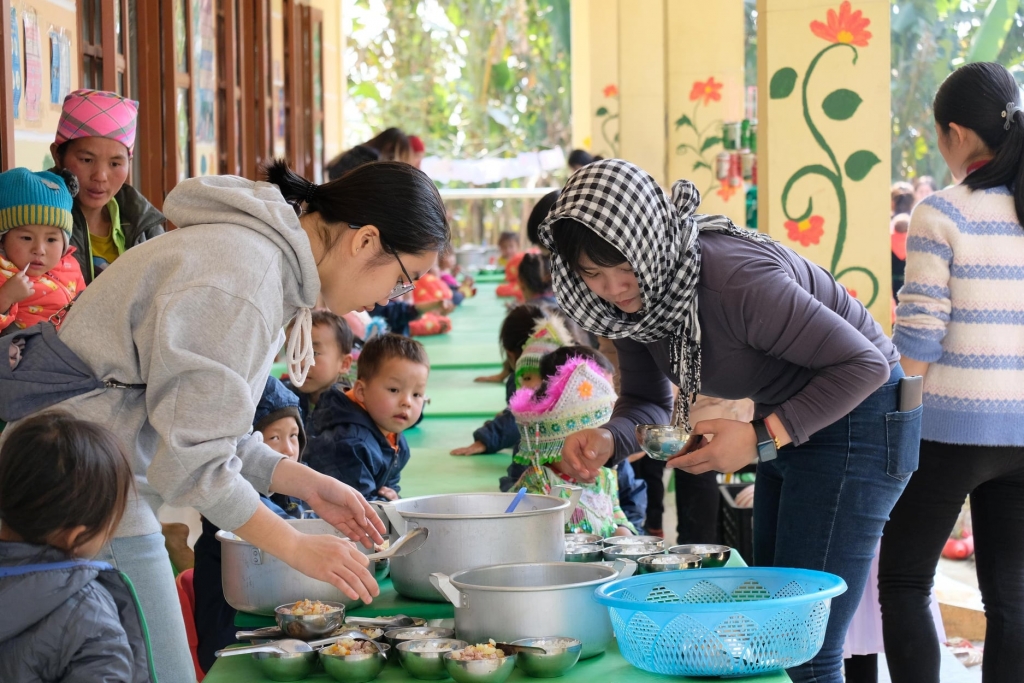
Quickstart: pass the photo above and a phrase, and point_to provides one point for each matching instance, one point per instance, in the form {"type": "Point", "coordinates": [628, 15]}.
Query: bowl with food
{"type": "Point", "coordinates": [286, 666]}
{"type": "Point", "coordinates": [483, 663]}
{"type": "Point", "coordinates": [581, 539]}
{"type": "Point", "coordinates": [710, 555]}
{"type": "Point", "coordinates": [399, 635]}
{"type": "Point", "coordinates": [353, 661]}
{"type": "Point", "coordinates": [309, 619]}
{"type": "Point", "coordinates": [424, 659]}
{"type": "Point", "coordinates": [661, 442]}
{"type": "Point", "coordinates": [630, 552]}
{"type": "Point", "coordinates": [560, 655]}
{"type": "Point", "coordinates": [633, 540]}
{"type": "Point", "coordinates": [584, 553]}
{"type": "Point", "coordinates": [667, 562]}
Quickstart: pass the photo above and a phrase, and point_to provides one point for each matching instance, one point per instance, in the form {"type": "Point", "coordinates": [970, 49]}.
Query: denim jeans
{"type": "Point", "coordinates": [144, 559]}
{"type": "Point", "coordinates": [823, 505]}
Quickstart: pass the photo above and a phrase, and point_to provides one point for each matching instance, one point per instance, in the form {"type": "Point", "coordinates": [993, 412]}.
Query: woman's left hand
{"type": "Point", "coordinates": [345, 508]}
{"type": "Point", "coordinates": [733, 447]}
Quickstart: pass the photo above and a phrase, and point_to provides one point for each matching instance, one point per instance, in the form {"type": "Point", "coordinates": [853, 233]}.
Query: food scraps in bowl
{"type": "Point", "coordinates": [430, 647]}
{"type": "Point", "coordinates": [478, 652]}
{"type": "Point", "coordinates": [306, 608]}
{"type": "Point", "coordinates": [349, 646]}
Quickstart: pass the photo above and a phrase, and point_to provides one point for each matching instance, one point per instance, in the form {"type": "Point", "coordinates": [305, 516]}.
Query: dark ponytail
{"type": "Point", "coordinates": [985, 98]}
{"type": "Point", "coordinates": [400, 200]}
{"type": "Point", "coordinates": [71, 180]}
{"type": "Point", "coordinates": [535, 273]}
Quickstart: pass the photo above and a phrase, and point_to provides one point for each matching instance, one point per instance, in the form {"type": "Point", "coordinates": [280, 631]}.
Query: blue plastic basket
{"type": "Point", "coordinates": [720, 622]}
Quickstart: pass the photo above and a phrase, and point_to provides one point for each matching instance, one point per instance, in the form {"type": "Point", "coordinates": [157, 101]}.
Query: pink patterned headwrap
{"type": "Point", "coordinates": [98, 114]}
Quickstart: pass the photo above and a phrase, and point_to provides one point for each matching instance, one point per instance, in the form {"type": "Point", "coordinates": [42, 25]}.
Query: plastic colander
{"type": "Point", "coordinates": [720, 622]}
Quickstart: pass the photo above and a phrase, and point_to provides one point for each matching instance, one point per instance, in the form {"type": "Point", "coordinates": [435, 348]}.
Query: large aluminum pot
{"type": "Point", "coordinates": [472, 530]}
{"type": "Point", "coordinates": [508, 602]}
{"type": "Point", "coordinates": [257, 582]}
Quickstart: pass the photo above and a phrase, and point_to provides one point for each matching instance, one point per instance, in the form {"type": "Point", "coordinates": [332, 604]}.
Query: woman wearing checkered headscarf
{"type": "Point", "coordinates": [96, 141]}
{"type": "Point", "coordinates": [695, 301]}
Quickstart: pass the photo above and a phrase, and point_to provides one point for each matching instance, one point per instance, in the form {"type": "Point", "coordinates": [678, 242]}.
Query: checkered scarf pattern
{"type": "Point", "coordinates": [658, 236]}
{"type": "Point", "coordinates": [98, 114]}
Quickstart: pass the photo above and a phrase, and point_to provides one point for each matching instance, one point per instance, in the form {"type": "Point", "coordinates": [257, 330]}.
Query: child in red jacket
{"type": "Point", "coordinates": [39, 275]}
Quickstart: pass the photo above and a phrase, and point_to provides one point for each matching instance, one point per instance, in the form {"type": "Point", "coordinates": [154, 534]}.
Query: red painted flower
{"type": "Point", "coordinates": [853, 292]}
{"type": "Point", "coordinates": [806, 232]}
{"type": "Point", "coordinates": [709, 90]}
{"type": "Point", "coordinates": [611, 90]}
{"type": "Point", "coordinates": [846, 27]}
{"type": "Point", "coordinates": [726, 191]}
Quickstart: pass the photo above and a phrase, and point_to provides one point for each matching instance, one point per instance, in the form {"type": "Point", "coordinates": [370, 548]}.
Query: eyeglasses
{"type": "Point", "coordinates": [402, 288]}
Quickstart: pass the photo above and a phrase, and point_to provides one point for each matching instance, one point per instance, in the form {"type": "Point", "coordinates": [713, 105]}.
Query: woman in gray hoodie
{"type": "Point", "coordinates": [192, 321]}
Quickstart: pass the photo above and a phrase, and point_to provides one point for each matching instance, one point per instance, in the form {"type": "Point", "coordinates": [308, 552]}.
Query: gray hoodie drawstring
{"type": "Point", "coordinates": [300, 347]}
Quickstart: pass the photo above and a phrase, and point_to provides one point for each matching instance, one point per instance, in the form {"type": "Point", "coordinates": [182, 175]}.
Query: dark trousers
{"type": "Point", "coordinates": [697, 501]}
{"type": "Point", "coordinates": [913, 541]}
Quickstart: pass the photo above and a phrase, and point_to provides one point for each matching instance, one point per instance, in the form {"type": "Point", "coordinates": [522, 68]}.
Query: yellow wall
{"type": "Point", "coordinates": [706, 42]}
{"type": "Point", "coordinates": [32, 139]}
{"type": "Point", "coordinates": [642, 85]}
{"type": "Point", "coordinates": [848, 103]}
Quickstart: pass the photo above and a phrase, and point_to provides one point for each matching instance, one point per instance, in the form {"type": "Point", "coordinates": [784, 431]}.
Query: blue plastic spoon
{"type": "Point", "coordinates": [515, 501]}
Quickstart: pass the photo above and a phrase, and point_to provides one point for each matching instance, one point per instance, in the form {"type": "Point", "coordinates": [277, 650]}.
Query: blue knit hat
{"type": "Point", "coordinates": [278, 402]}
{"type": "Point", "coordinates": [42, 198]}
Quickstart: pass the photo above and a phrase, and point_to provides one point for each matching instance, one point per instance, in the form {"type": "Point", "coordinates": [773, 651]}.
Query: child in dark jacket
{"type": "Point", "coordinates": [332, 349]}
{"type": "Point", "coordinates": [357, 434]}
{"type": "Point", "coordinates": [278, 419]}
{"type": "Point", "coordinates": [64, 485]}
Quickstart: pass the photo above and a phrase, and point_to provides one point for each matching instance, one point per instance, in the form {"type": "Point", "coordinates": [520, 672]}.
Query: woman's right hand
{"type": "Point", "coordinates": [334, 560]}
{"type": "Point", "coordinates": [586, 451]}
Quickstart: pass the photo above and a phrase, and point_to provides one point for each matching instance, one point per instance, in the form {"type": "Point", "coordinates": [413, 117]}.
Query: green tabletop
{"type": "Point", "coordinates": [607, 668]}
{"type": "Point", "coordinates": [453, 393]}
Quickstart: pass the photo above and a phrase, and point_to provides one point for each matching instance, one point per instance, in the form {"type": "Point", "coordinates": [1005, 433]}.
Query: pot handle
{"type": "Point", "coordinates": [390, 513]}
{"type": "Point", "coordinates": [626, 568]}
{"type": "Point", "coordinates": [574, 499]}
{"type": "Point", "coordinates": [444, 586]}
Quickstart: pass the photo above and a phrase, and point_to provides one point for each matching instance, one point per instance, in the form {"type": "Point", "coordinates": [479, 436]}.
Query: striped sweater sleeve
{"type": "Point", "coordinates": [924, 305]}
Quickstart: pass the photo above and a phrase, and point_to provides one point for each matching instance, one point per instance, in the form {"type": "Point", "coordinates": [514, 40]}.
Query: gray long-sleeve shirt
{"type": "Point", "coordinates": [775, 328]}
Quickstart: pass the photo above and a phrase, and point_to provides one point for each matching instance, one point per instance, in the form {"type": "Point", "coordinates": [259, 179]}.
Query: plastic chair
{"type": "Point", "coordinates": [187, 598]}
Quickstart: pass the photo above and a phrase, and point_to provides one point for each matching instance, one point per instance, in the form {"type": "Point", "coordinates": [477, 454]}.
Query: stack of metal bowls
{"type": "Point", "coordinates": [667, 562]}
{"type": "Point", "coordinates": [424, 659]}
{"type": "Point", "coordinates": [710, 555]}
{"type": "Point", "coordinates": [560, 655]}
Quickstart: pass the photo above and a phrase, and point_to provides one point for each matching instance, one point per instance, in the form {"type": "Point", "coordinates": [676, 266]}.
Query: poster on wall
{"type": "Point", "coordinates": [65, 64]}
{"type": "Point", "coordinates": [33, 65]}
{"type": "Point", "coordinates": [55, 67]}
{"type": "Point", "coordinates": [15, 61]}
{"type": "Point", "coordinates": [203, 50]}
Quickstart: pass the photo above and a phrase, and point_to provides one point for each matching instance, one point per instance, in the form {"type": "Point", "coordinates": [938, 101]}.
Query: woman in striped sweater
{"type": "Point", "coordinates": [960, 323]}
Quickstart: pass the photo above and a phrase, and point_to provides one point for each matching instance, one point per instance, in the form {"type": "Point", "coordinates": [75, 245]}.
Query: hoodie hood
{"type": "Point", "coordinates": [258, 206]}
{"type": "Point", "coordinates": [29, 598]}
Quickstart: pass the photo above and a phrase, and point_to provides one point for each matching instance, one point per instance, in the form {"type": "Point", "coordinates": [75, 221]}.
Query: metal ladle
{"type": "Point", "coordinates": [410, 542]}
{"type": "Point", "coordinates": [285, 646]}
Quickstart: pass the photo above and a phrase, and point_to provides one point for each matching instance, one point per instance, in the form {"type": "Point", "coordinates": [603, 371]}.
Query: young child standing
{"type": "Point", "coordinates": [357, 434]}
{"type": "Point", "coordinates": [578, 396]}
{"type": "Point", "coordinates": [38, 272]}
{"type": "Point", "coordinates": [64, 484]}
{"type": "Point", "coordinates": [278, 419]}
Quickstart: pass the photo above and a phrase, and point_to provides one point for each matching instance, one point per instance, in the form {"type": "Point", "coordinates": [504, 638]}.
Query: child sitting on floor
{"type": "Point", "coordinates": [523, 353]}
{"type": "Point", "coordinates": [511, 257]}
{"type": "Point", "coordinates": [39, 275]}
{"type": "Point", "coordinates": [278, 419]}
{"type": "Point", "coordinates": [357, 434]}
{"type": "Point", "coordinates": [448, 269]}
{"type": "Point", "coordinates": [434, 300]}
{"type": "Point", "coordinates": [578, 396]}
{"type": "Point", "coordinates": [64, 485]}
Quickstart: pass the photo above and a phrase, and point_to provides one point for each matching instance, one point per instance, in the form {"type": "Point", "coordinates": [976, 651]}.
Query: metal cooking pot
{"type": "Point", "coordinates": [472, 530]}
{"type": "Point", "coordinates": [513, 601]}
{"type": "Point", "coordinates": [257, 582]}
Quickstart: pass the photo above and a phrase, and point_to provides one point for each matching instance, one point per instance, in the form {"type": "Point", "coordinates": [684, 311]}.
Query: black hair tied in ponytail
{"type": "Point", "coordinates": [71, 180]}
{"type": "Point", "coordinates": [984, 97]}
{"type": "Point", "coordinates": [396, 198]}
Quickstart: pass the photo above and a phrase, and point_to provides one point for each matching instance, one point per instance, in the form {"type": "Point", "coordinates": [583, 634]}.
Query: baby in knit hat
{"type": "Point", "coordinates": [578, 395]}
{"type": "Point", "coordinates": [39, 275]}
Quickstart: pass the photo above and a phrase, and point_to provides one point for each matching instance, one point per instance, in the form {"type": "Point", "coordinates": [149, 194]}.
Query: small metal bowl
{"type": "Point", "coordinates": [425, 665]}
{"type": "Point", "coordinates": [667, 562]}
{"type": "Point", "coordinates": [710, 555]}
{"type": "Point", "coordinates": [630, 552]}
{"type": "Point", "coordinates": [560, 655]}
{"type": "Point", "coordinates": [400, 635]}
{"type": "Point", "coordinates": [358, 668]}
{"type": "Point", "coordinates": [582, 539]}
{"type": "Point", "coordinates": [635, 540]}
{"type": "Point", "coordinates": [661, 442]}
{"type": "Point", "coordinates": [479, 670]}
{"type": "Point", "coordinates": [293, 666]}
{"type": "Point", "coordinates": [584, 553]}
{"type": "Point", "coordinates": [309, 626]}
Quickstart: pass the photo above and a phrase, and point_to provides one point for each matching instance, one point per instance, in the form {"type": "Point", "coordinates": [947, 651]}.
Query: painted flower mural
{"type": "Point", "coordinates": [807, 232]}
{"type": "Point", "coordinates": [703, 93]}
{"type": "Point", "coordinates": [606, 116]}
{"type": "Point", "coordinates": [844, 29]}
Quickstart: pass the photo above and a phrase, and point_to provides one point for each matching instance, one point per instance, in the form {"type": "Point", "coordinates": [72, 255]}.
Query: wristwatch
{"type": "Point", "coordinates": [767, 445]}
